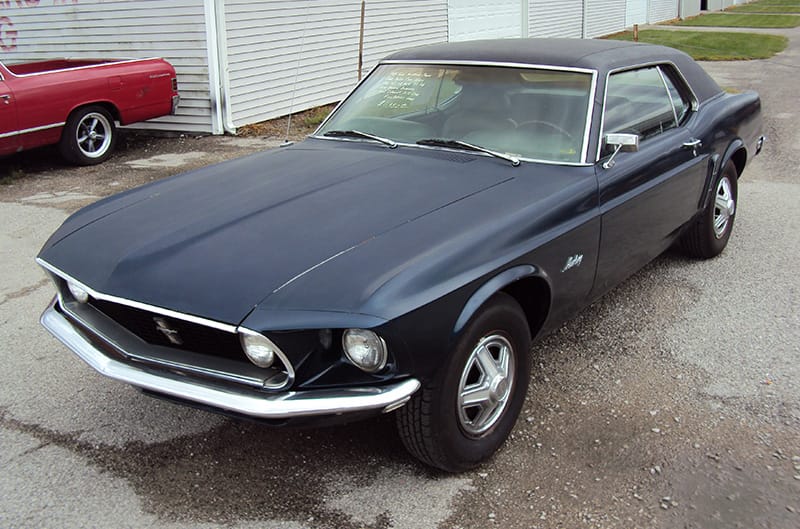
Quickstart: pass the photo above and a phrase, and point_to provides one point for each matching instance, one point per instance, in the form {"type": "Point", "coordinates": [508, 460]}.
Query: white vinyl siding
{"type": "Point", "coordinates": [604, 17]}
{"type": "Point", "coordinates": [661, 10]}
{"type": "Point", "coordinates": [635, 12]}
{"type": "Point", "coordinates": [556, 18]}
{"type": "Point", "coordinates": [481, 19]}
{"type": "Point", "coordinates": [392, 25]}
{"type": "Point", "coordinates": [689, 8]}
{"type": "Point", "coordinates": [173, 30]}
{"type": "Point", "coordinates": [285, 55]}
{"type": "Point", "coordinates": [268, 58]}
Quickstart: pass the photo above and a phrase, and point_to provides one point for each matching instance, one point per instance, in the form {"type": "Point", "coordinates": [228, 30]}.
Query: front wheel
{"type": "Point", "coordinates": [708, 235]}
{"type": "Point", "coordinates": [467, 411]}
{"type": "Point", "coordinates": [89, 136]}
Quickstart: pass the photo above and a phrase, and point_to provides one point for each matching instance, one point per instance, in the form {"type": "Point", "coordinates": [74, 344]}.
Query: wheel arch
{"type": "Point", "coordinates": [107, 105]}
{"type": "Point", "coordinates": [739, 159]}
{"type": "Point", "coordinates": [69, 143]}
{"type": "Point", "coordinates": [736, 153]}
{"type": "Point", "coordinates": [525, 283]}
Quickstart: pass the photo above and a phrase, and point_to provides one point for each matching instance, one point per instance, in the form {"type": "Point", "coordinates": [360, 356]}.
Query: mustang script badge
{"type": "Point", "coordinates": [573, 261]}
{"type": "Point", "coordinates": [163, 326]}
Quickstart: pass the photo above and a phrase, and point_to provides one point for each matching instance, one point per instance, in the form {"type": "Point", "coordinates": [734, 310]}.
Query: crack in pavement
{"type": "Point", "coordinates": [23, 292]}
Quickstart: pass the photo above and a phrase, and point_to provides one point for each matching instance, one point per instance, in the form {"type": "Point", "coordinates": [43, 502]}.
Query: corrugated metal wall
{"type": "Point", "coordinates": [556, 18]}
{"type": "Point", "coordinates": [174, 30]}
{"type": "Point", "coordinates": [661, 10]}
{"type": "Point", "coordinates": [604, 17]}
{"type": "Point", "coordinates": [309, 49]}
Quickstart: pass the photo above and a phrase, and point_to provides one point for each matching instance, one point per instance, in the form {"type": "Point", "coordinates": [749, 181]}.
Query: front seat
{"type": "Point", "coordinates": [480, 108]}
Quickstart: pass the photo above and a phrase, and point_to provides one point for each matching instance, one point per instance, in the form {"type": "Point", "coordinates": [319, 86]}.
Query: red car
{"type": "Point", "coordinates": [75, 103]}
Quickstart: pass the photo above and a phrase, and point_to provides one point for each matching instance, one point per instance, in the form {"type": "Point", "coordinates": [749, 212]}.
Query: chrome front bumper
{"type": "Point", "coordinates": [262, 405]}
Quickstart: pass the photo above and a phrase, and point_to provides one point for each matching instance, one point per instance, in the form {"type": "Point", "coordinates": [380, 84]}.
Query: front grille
{"type": "Point", "coordinates": [194, 337]}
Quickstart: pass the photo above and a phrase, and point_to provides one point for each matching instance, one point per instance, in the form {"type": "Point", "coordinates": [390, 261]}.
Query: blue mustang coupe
{"type": "Point", "coordinates": [463, 200]}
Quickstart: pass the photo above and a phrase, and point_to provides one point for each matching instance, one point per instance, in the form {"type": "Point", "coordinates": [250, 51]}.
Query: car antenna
{"type": "Point", "coordinates": [287, 141]}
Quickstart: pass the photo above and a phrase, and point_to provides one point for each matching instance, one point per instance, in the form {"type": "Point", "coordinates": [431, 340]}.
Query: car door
{"type": "Point", "coordinates": [9, 139]}
{"type": "Point", "coordinates": [648, 195]}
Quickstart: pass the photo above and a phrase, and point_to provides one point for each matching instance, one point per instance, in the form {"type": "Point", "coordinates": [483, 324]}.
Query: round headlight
{"type": "Point", "coordinates": [259, 349]}
{"type": "Point", "coordinates": [365, 349]}
{"type": "Point", "coordinates": [80, 295]}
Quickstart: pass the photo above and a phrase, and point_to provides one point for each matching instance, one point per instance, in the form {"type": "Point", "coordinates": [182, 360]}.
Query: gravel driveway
{"type": "Point", "coordinates": [672, 402]}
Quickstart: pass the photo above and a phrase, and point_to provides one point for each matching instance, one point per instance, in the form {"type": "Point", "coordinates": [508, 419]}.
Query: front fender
{"type": "Point", "coordinates": [490, 288]}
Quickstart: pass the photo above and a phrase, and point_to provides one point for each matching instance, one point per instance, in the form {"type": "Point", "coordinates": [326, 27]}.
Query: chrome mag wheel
{"type": "Point", "coordinates": [93, 135]}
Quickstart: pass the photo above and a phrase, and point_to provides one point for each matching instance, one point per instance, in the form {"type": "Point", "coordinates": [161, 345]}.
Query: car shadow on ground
{"type": "Point", "coordinates": [45, 160]}
{"type": "Point", "coordinates": [246, 470]}
{"type": "Point", "coordinates": [35, 161]}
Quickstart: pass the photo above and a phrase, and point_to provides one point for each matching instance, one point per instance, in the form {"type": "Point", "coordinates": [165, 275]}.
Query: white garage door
{"type": "Point", "coordinates": [479, 19]}
{"type": "Point", "coordinates": [635, 12]}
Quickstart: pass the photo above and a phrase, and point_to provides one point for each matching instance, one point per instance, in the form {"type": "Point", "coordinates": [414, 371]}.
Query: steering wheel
{"type": "Point", "coordinates": [551, 126]}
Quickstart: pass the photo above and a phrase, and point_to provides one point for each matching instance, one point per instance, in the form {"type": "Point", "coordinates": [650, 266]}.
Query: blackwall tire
{"type": "Point", "coordinates": [462, 416]}
{"type": "Point", "coordinates": [89, 136]}
{"type": "Point", "coordinates": [709, 234]}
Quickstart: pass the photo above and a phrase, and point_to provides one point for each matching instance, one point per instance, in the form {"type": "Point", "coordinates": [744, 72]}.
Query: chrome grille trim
{"type": "Point", "coordinates": [102, 325]}
{"type": "Point", "coordinates": [259, 404]}
{"type": "Point", "coordinates": [124, 343]}
{"type": "Point", "coordinates": [287, 365]}
{"type": "Point", "coordinates": [138, 305]}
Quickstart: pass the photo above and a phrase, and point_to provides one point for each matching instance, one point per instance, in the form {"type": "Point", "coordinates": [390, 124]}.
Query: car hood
{"type": "Point", "coordinates": [216, 241]}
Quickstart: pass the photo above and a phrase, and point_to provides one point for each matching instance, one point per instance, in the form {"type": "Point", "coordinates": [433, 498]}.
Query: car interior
{"type": "Point", "coordinates": [534, 114]}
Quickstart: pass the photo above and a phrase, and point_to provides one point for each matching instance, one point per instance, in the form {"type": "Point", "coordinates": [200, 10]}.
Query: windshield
{"type": "Point", "coordinates": [528, 113]}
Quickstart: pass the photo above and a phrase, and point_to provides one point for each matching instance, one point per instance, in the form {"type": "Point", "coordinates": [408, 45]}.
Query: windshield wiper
{"type": "Point", "coordinates": [359, 134]}
{"type": "Point", "coordinates": [458, 144]}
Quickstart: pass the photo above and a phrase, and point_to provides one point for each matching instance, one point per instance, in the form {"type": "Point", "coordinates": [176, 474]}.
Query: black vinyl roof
{"type": "Point", "coordinates": [594, 54]}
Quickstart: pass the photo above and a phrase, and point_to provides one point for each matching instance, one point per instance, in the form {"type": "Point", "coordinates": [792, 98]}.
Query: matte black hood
{"type": "Point", "coordinates": [216, 241]}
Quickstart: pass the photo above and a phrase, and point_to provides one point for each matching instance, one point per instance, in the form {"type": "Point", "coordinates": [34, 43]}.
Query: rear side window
{"type": "Point", "coordinates": [637, 102]}
{"type": "Point", "coordinates": [678, 93]}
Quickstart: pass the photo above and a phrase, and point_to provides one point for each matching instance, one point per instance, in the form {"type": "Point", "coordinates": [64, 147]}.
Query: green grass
{"type": "Point", "coordinates": [713, 46]}
{"type": "Point", "coordinates": [758, 8]}
{"type": "Point", "coordinates": [742, 21]}
{"type": "Point", "coordinates": [776, 3]}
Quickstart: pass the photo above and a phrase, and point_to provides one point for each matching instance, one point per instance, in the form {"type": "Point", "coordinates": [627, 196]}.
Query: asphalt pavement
{"type": "Point", "coordinates": [674, 401]}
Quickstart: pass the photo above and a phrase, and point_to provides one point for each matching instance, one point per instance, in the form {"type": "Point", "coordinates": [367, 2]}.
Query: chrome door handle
{"type": "Point", "coordinates": [6, 98]}
{"type": "Point", "coordinates": [693, 144]}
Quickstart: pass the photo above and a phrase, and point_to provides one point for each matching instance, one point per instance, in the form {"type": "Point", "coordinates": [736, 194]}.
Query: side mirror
{"type": "Point", "coordinates": [620, 142]}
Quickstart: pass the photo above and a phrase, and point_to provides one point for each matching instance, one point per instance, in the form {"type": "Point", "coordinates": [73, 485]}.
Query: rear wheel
{"type": "Point", "coordinates": [467, 411]}
{"type": "Point", "coordinates": [89, 136]}
{"type": "Point", "coordinates": [709, 234]}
